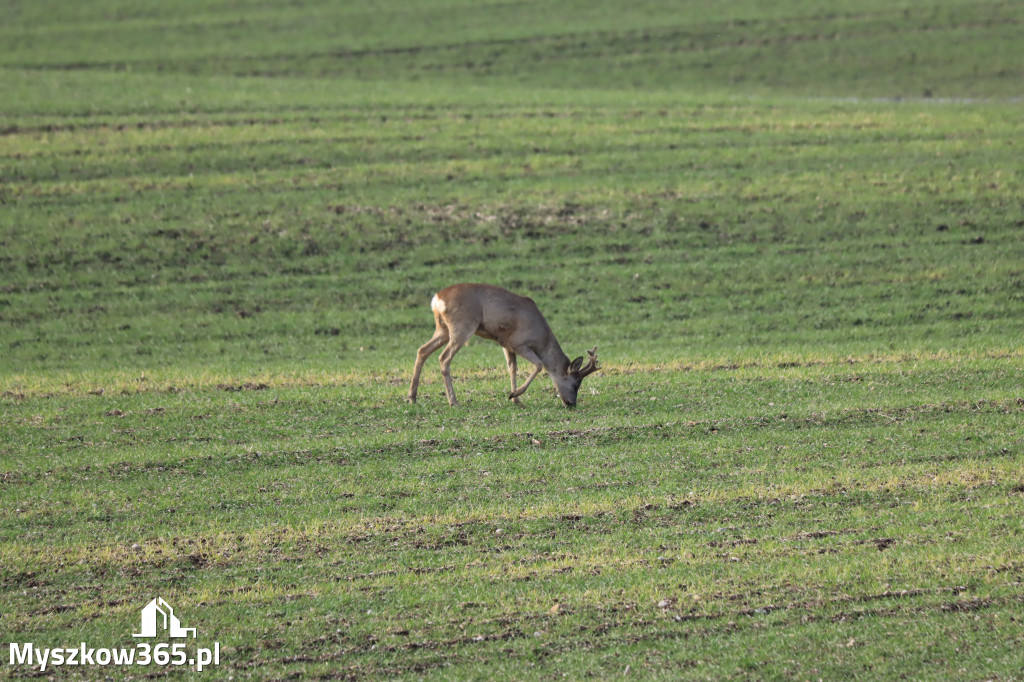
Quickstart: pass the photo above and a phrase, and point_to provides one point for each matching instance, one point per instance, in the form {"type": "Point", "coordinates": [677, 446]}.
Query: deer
{"type": "Point", "coordinates": [515, 323]}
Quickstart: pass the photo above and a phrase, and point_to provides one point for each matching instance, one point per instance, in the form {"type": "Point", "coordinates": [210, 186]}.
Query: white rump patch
{"type": "Point", "coordinates": [437, 305]}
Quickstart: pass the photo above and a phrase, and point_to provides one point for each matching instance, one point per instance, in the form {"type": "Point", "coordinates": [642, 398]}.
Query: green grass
{"type": "Point", "coordinates": [794, 231]}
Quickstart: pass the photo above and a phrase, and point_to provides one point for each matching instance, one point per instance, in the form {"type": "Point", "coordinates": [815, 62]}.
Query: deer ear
{"type": "Point", "coordinates": [575, 366]}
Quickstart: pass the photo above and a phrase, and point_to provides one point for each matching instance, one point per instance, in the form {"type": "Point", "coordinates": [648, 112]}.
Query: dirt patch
{"type": "Point", "coordinates": [247, 386]}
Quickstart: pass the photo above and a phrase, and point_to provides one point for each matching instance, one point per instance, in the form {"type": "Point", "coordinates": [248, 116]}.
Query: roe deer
{"type": "Point", "coordinates": [514, 323]}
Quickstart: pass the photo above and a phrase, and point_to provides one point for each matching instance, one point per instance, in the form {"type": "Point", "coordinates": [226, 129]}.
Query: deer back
{"type": "Point", "coordinates": [494, 313]}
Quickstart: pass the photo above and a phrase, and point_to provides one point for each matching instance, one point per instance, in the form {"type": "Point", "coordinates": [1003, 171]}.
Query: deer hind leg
{"type": "Point", "coordinates": [538, 366]}
{"type": "Point", "coordinates": [510, 360]}
{"type": "Point", "coordinates": [426, 350]}
{"type": "Point", "coordinates": [457, 339]}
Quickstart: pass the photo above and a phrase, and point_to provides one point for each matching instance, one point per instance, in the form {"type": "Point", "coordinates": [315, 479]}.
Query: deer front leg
{"type": "Point", "coordinates": [538, 366]}
{"type": "Point", "coordinates": [510, 360]}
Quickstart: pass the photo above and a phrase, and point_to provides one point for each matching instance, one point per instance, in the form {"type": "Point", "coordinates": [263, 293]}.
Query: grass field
{"type": "Point", "coordinates": [795, 230]}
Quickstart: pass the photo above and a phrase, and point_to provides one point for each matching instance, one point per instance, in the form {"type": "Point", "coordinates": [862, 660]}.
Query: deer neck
{"type": "Point", "coordinates": [555, 361]}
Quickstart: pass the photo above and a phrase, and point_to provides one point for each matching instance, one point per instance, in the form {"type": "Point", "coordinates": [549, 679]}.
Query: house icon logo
{"type": "Point", "coordinates": [151, 622]}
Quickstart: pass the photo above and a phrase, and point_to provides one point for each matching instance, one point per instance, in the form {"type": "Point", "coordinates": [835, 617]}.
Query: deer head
{"type": "Point", "coordinates": [568, 387]}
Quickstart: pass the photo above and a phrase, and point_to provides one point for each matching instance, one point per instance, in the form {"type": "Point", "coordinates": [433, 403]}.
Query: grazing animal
{"type": "Point", "coordinates": [510, 320]}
